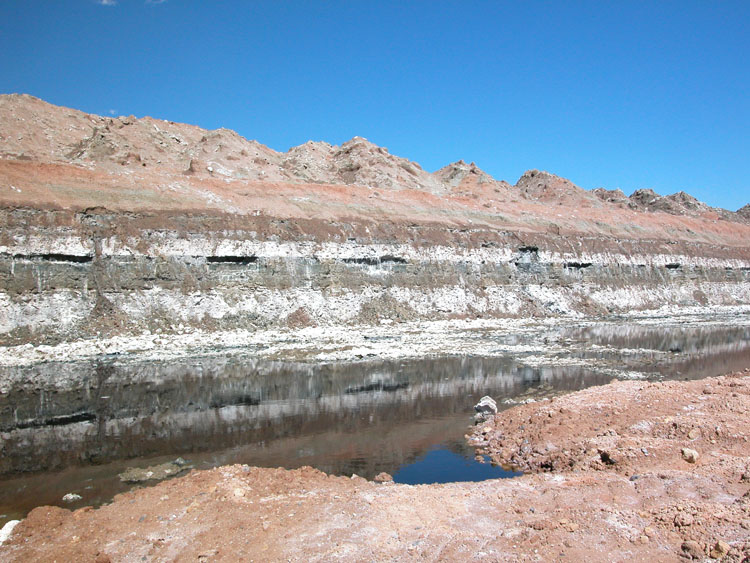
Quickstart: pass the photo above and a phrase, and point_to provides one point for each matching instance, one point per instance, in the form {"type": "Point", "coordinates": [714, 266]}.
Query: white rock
{"type": "Point", "coordinates": [7, 529]}
{"type": "Point", "coordinates": [486, 406]}
{"type": "Point", "coordinates": [689, 455]}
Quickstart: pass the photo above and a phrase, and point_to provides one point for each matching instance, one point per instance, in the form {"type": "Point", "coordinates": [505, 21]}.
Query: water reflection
{"type": "Point", "coordinates": [126, 411]}
{"type": "Point", "coordinates": [447, 465]}
{"type": "Point", "coordinates": [72, 427]}
{"type": "Point", "coordinates": [686, 351]}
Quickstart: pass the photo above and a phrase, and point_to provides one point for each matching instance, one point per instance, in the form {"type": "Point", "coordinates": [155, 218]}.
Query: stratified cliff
{"type": "Point", "coordinates": [122, 224]}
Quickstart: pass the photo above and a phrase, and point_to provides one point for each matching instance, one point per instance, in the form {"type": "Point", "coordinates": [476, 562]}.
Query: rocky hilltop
{"type": "Point", "coordinates": [120, 224]}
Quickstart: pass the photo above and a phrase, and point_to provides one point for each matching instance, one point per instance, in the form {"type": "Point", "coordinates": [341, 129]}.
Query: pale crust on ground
{"type": "Point", "coordinates": [585, 509]}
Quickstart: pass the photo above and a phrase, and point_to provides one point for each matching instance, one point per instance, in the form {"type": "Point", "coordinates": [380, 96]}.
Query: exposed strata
{"type": "Point", "coordinates": [115, 225]}
{"type": "Point", "coordinates": [652, 505]}
{"type": "Point", "coordinates": [235, 282]}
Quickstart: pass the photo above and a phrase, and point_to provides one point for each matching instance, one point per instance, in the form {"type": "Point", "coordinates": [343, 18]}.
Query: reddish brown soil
{"type": "Point", "coordinates": [59, 158]}
{"type": "Point", "coordinates": [584, 510]}
{"type": "Point", "coordinates": [639, 430]}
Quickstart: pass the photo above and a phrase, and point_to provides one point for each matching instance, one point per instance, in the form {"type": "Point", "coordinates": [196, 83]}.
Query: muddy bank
{"type": "Point", "coordinates": [685, 444]}
{"type": "Point", "coordinates": [630, 504]}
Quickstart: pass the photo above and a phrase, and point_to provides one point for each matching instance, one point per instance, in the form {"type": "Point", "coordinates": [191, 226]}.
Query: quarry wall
{"type": "Point", "coordinates": [65, 275]}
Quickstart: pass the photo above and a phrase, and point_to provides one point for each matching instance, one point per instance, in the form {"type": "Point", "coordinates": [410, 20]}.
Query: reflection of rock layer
{"type": "Point", "coordinates": [119, 409]}
{"type": "Point", "coordinates": [55, 393]}
{"type": "Point", "coordinates": [713, 339]}
{"type": "Point", "coordinates": [177, 416]}
{"type": "Point", "coordinates": [688, 351]}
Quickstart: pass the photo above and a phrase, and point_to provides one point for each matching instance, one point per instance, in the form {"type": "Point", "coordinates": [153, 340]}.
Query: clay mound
{"type": "Point", "coordinates": [543, 186]}
{"type": "Point", "coordinates": [357, 162]}
{"type": "Point", "coordinates": [176, 148]}
{"type": "Point", "coordinates": [744, 212]}
{"type": "Point", "coordinates": [679, 203]}
{"type": "Point", "coordinates": [454, 174]}
{"type": "Point", "coordinates": [361, 162]}
{"type": "Point", "coordinates": [223, 152]}
{"type": "Point", "coordinates": [146, 152]}
{"type": "Point", "coordinates": [469, 180]}
{"type": "Point", "coordinates": [310, 162]}
{"type": "Point", "coordinates": [648, 199]}
{"type": "Point", "coordinates": [111, 143]}
{"type": "Point", "coordinates": [616, 197]}
{"type": "Point", "coordinates": [31, 129]}
{"type": "Point", "coordinates": [688, 202]}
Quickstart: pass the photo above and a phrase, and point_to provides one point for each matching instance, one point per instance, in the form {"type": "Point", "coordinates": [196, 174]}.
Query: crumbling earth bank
{"type": "Point", "coordinates": [656, 507]}
{"type": "Point", "coordinates": [684, 447]}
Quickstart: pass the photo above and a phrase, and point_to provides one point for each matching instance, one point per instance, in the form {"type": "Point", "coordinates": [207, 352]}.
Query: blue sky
{"type": "Point", "coordinates": [616, 94]}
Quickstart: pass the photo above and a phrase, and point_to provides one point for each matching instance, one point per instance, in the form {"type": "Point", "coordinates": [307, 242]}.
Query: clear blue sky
{"type": "Point", "coordinates": [624, 94]}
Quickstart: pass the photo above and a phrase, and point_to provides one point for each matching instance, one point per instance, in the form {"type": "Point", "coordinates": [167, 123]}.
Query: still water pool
{"type": "Point", "coordinates": [89, 421]}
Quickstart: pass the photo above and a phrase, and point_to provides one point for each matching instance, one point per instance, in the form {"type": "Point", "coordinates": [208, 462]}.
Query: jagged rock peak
{"type": "Point", "coordinates": [16, 96]}
{"type": "Point", "coordinates": [311, 161]}
{"type": "Point", "coordinates": [540, 176]}
{"type": "Point", "coordinates": [460, 166]}
{"type": "Point", "coordinates": [357, 140]}
{"type": "Point", "coordinates": [679, 203]}
{"type": "Point", "coordinates": [536, 183]}
{"type": "Point", "coordinates": [688, 202]}
{"type": "Point", "coordinates": [457, 172]}
{"type": "Point", "coordinates": [645, 196]}
{"type": "Point", "coordinates": [616, 196]}
{"type": "Point", "coordinates": [359, 161]}
{"type": "Point", "coordinates": [312, 146]}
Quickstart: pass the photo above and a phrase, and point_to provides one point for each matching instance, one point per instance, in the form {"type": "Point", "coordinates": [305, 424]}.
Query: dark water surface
{"type": "Point", "coordinates": [407, 417]}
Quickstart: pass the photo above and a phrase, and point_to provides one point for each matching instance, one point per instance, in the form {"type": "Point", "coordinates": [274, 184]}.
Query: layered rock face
{"type": "Point", "coordinates": [125, 224]}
